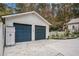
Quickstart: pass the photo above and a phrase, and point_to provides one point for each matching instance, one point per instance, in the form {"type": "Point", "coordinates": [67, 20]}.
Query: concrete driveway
{"type": "Point", "coordinates": [44, 48]}
{"type": "Point", "coordinates": [68, 47]}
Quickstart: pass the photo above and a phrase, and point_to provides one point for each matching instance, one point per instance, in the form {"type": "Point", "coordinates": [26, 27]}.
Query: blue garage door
{"type": "Point", "coordinates": [22, 32]}
{"type": "Point", "coordinates": [40, 32]}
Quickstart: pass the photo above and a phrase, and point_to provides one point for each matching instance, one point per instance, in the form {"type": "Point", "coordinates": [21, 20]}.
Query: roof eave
{"type": "Point", "coordinates": [27, 13]}
{"type": "Point", "coordinates": [42, 18]}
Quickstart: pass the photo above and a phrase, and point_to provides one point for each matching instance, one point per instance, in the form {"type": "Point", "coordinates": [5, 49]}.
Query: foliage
{"type": "Point", "coordinates": [64, 35]}
{"type": "Point", "coordinates": [4, 10]}
{"type": "Point", "coordinates": [76, 33]}
{"type": "Point", "coordinates": [66, 32]}
{"type": "Point", "coordinates": [57, 35]}
{"type": "Point", "coordinates": [75, 10]}
{"type": "Point", "coordinates": [23, 7]}
{"type": "Point", "coordinates": [56, 14]}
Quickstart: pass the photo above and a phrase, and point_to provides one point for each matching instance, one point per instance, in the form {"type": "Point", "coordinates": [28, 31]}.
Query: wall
{"type": "Point", "coordinates": [1, 39]}
{"type": "Point", "coordinates": [28, 19]}
{"type": "Point", "coordinates": [76, 26]}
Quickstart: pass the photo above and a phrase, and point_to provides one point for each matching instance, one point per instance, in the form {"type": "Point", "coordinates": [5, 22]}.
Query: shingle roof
{"type": "Point", "coordinates": [74, 21]}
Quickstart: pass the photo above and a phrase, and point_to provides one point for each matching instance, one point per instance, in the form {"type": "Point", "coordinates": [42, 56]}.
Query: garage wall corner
{"type": "Point", "coordinates": [1, 39]}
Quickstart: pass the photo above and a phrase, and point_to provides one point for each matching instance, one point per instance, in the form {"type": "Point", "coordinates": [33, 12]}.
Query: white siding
{"type": "Point", "coordinates": [10, 35]}
{"type": "Point", "coordinates": [76, 26]}
{"type": "Point", "coordinates": [1, 39]}
{"type": "Point", "coordinates": [28, 19]}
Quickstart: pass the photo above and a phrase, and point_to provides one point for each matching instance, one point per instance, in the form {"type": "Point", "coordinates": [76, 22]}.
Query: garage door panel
{"type": "Point", "coordinates": [22, 33]}
{"type": "Point", "coordinates": [40, 32]}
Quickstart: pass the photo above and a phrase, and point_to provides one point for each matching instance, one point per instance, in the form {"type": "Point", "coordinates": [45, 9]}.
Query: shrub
{"type": "Point", "coordinates": [67, 32]}
{"type": "Point", "coordinates": [76, 34]}
{"type": "Point", "coordinates": [62, 35]}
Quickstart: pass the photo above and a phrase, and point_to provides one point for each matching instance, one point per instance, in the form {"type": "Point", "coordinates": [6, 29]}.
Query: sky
{"type": "Point", "coordinates": [11, 5]}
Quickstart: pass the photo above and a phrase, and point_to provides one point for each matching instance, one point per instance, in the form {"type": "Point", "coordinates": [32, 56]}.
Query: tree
{"type": "Point", "coordinates": [4, 10]}
{"type": "Point", "coordinates": [75, 10]}
{"type": "Point", "coordinates": [55, 13]}
{"type": "Point", "coordinates": [23, 7]}
{"type": "Point", "coordinates": [62, 14]}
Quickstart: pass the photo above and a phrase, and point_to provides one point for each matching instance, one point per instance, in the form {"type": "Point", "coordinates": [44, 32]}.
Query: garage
{"type": "Point", "coordinates": [22, 32]}
{"type": "Point", "coordinates": [40, 32]}
{"type": "Point", "coordinates": [23, 27]}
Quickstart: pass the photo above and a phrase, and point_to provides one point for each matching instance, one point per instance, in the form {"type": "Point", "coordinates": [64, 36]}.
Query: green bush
{"type": "Point", "coordinates": [76, 34]}
{"type": "Point", "coordinates": [67, 32]}
{"type": "Point", "coordinates": [62, 35]}
{"type": "Point", "coordinates": [57, 36]}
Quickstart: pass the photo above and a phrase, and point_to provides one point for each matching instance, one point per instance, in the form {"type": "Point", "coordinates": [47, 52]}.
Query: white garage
{"type": "Point", "coordinates": [27, 26]}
